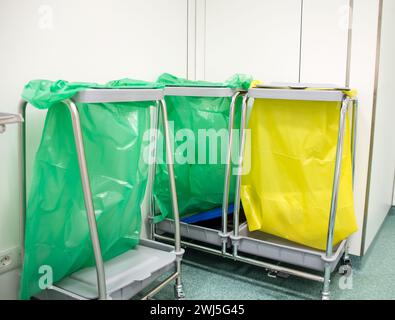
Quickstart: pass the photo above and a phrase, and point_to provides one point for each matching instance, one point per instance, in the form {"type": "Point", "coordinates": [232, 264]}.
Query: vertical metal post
{"type": "Point", "coordinates": [354, 127]}
{"type": "Point", "coordinates": [236, 213]}
{"type": "Point", "coordinates": [75, 119]}
{"type": "Point", "coordinates": [22, 175]}
{"type": "Point", "coordinates": [173, 190]}
{"type": "Point", "coordinates": [225, 201]}
{"type": "Point", "coordinates": [334, 200]}
{"type": "Point", "coordinates": [152, 174]}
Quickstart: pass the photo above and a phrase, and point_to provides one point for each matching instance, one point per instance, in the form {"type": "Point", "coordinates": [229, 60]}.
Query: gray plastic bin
{"type": "Point", "coordinates": [126, 275]}
{"type": "Point", "coordinates": [190, 231]}
{"type": "Point", "coordinates": [268, 246]}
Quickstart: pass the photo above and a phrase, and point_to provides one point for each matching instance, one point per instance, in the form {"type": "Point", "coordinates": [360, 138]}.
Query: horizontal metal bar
{"type": "Point", "coordinates": [67, 293]}
{"type": "Point", "coordinates": [302, 85]}
{"type": "Point", "coordinates": [289, 94]}
{"type": "Point", "coordinates": [191, 245]}
{"type": "Point", "coordinates": [200, 91]}
{"type": "Point", "coordinates": [160, 286]}
{"type": "Point", "coordinates": [290, 245]}
{"type": "Point", "coordinates": [9, 118]}
{"type": "Point", "coordinates": [297, 273]}
{"type": "Point", "coordinates": [266, 265]}
{"type": "Point", "coordinates": [117, 95]}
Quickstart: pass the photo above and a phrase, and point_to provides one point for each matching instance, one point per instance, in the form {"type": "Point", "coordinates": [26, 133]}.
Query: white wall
{"type": "Point", "coordinates": [257, 37]}
{"type": "Point", "coordinates": [383, 160]}
{"type": "Point", "coordinates": [324, 41]}
{"type": "Point", "coordinates": [90, 40]}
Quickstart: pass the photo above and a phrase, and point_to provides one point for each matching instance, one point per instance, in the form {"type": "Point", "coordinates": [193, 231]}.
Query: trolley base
{"type": "Point", "coordinates": [191, 231]}
{"type": "Point", "coordinates": [268, 246]}
{"type": "Point", "coordinates": [126, 275]}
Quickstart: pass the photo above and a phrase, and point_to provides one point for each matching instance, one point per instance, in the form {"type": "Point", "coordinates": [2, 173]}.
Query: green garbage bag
{"type": "Point", "coordinates": [199, 183]}
{"type": "Point", "coordinates": [57, 233]}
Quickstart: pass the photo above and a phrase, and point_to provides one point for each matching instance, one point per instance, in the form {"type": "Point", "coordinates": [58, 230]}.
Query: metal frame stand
{"type": "Point", "coordinates": [334, 201]}
{"type": "Point", "coordinates": [101, 96]}
{"type": "Point", "coordinates": [178, 288]}
{"type": "Point", "coordinates": [328, 257]}
{"type": "Point", "coordinates": [223, 234]}
{"type": "Point", "coordinates": [236, 214]}
{"type": "Point", "coordinates": [225, 202]}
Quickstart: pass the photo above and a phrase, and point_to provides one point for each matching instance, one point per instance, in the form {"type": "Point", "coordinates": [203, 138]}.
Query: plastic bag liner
{"type": "Point", "coordinates": [292, 154]}
{"type": "Point", "coordinates": [57, 238]}
{"type": "Point", "coordinates": [199, 183]}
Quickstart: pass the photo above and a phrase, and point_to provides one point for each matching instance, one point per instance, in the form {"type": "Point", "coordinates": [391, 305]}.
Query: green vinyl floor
{"type": "Point", "coordinates": [210, 277]}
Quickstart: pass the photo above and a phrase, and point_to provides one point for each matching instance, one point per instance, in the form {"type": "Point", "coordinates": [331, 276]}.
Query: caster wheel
{"type": "Point", "coordinates": [346, 266]}
{"type": "Point", "coordinates": [346, 262]}
{"type": "Point", "coordinates": [342, 270]}
{"type": "Point", "coordinates": [179, 292]}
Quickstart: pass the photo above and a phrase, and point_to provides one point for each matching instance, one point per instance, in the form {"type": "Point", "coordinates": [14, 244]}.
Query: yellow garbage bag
{"type": "Point", "coordinates": [291, 154]}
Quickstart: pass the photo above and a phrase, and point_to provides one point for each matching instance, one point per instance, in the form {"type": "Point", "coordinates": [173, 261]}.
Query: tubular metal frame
{"type": "Point", "coordinates": [214, 92]}
{"type": "Point", "coordinates": [225, 202]}
{"type": "Point", "coordinates": [99, 96]}
{"type": "Point", "coordinates": [335, 189]}
{"type": "Point", "coordinates": [234, 236]}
